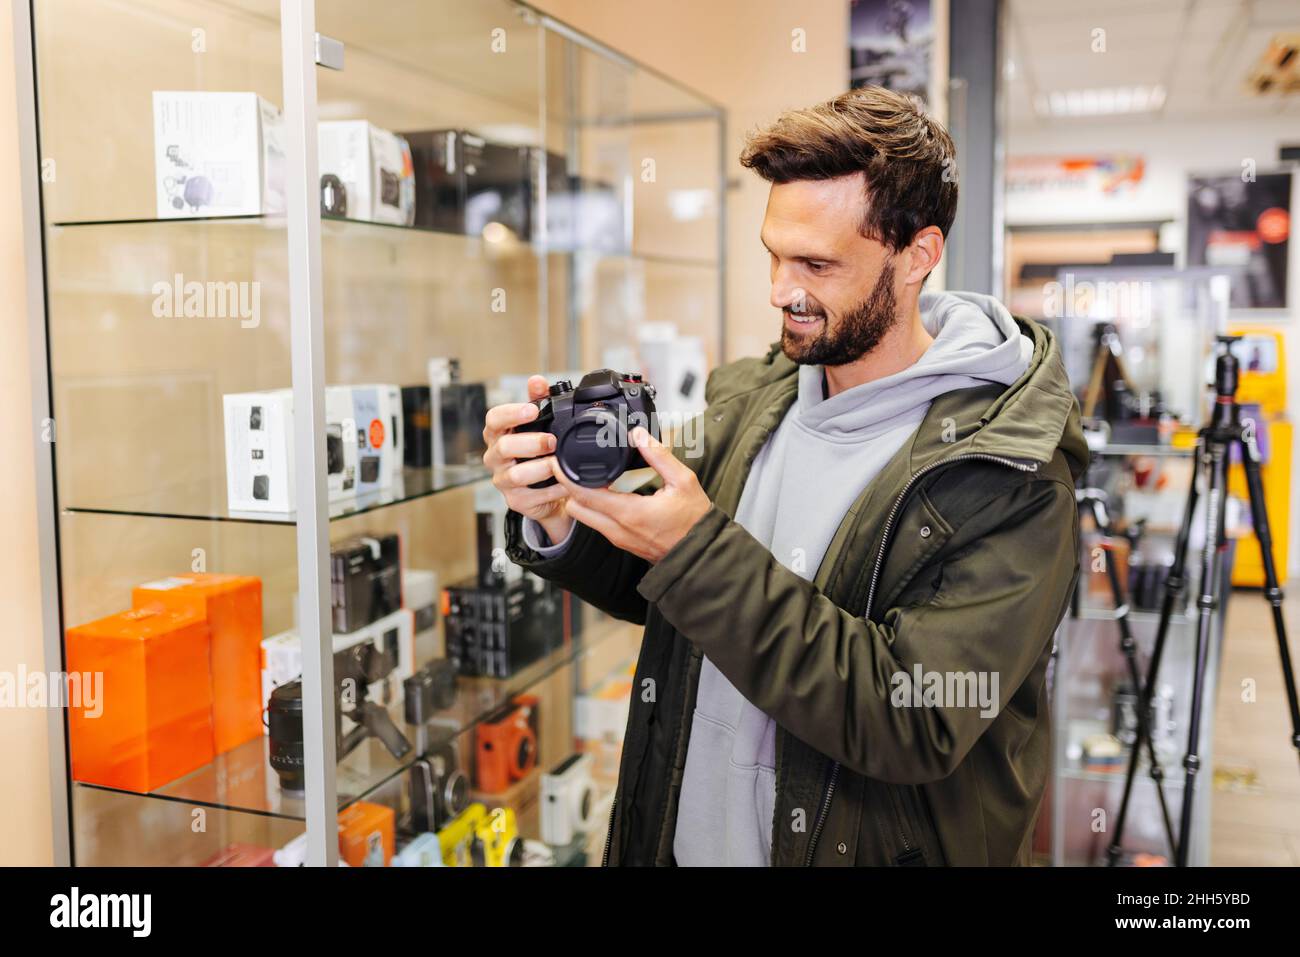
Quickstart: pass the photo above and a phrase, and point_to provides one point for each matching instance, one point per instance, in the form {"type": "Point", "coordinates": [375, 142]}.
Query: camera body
{"type": "Point", "coordinates": [505, 746]}
{"type": "Point", "coordinates": [591, 424]}
{"type": "Point", "coordinates": [568, 800]}
{"type": "Point", "coordinates": [437, 790]}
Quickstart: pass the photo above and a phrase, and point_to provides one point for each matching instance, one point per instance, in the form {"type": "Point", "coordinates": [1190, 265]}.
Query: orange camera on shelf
{"type": "Point", "coordinates": [506, 746]}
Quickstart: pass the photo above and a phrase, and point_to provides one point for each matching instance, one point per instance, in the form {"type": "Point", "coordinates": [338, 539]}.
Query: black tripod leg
{"type": "Point", "coordinates": [1272, 588]}
{"type": "Point", "coordinates": [1175, 584]}
{"type": "Point", "coordinates": [1206, 605]}
{"type": "Point", "coordinates": [1128, 646]}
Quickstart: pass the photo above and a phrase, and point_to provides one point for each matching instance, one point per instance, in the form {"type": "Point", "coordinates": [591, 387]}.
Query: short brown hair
{"type": "Point", "coordinates": [908, 158]}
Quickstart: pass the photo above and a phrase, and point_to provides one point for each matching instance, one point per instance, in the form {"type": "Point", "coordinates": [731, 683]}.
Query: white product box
{"type": "Point", "coordinates": [420, 594]}
{"type": "Point", "coordinates": [676, 366]}
{"type": "Point", "coordinates": [259, 449]}
{"type": "Point", "coordinates": [282, 654]}
{"type": "Point", "coordinates": [377, 410]}
{"type": "Point", "coordinates": [217, 154]}
{"type": "Point", "coordinates": [375, 167]}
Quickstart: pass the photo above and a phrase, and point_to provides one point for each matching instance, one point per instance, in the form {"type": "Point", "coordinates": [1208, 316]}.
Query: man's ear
{"type": "Point", "coordinates": [923, 254]}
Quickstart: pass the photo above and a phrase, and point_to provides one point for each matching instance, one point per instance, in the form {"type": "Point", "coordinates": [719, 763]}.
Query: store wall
{"type": "Point", "coordinates": [1172, 151]}
{"type": "Point", "coordinates": [739, 53]}
{"type": "Point", "coordinates": [24, 783]}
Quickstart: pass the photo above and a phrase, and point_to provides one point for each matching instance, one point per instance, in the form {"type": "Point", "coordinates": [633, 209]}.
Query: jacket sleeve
{"type": "Point", "coordinates": [591, 567]}
{"type": "Point", "coordinates": [833, 679]}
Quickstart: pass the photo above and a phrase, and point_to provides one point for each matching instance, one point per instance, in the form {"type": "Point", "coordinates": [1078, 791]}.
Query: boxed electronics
{"type": "Point", "coordinates": [232, 607]}
{"type": "Point", "coordinates": [375, 168]}
{"type": "Point", "coordinates": [496, 630]}
{"type": "Point", "coordinates": [676, 365]}
{"type": "Point", "coordinates": [391, 635]}
{"type": "Point", "coordinates": [463, 182]}
{"type": "Point", "coordinates": [153, 722]}
{"type": "Point", "coordinates": [417, 426]}
{"type": "Point", "coordinates": [377, 410]}
{"type": "Point", "coordinates": [365, 581]}
{"type": "Point", "coordinates": [260, 449]}
{"type": "Point", "coordinates": [458, 411]}
{"type": "Point", "coordinates": [217, 154]}
{"type": "Point", "coordinates": [494, 567]}
{"type": "Point", "coordinates": [420, 593]}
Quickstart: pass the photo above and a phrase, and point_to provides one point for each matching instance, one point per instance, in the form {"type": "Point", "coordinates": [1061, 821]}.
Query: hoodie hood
{"type": "Point", "coordinates": [976, 343]}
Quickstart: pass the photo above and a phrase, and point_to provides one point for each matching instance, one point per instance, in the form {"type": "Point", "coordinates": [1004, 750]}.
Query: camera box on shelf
{"type": "Point", "coordinates": [367, 834]}
{"type": "Point", "coordinates": [494, 631]}
{"type": "Point", "coordinates": [260, 455]}
{"type": "Point", "coordinates": [458, 413]}
{"type": "Point", "coordinates": [232, 607]}
{"type": "Point", "coordinates": [463, 182]}
{"type": "Point", "coordinates": [153, 722]}
{"type": "Point", "coordinates": [375, 168]}
{"type": "Point", "coordinates": [217, 154]}
{"type": "Point", "coordinates": [377, 411]}
{"type": "Point", "coordinates": [676, 365]}
{"type": "Point", "coordinates": [494, 567]}
{"type": "Point", "coordinates": [392, 636]}
{"type": "Point", "coordinates": [417, 426]}
{"type": "Point", "coordinates": [420, 594]}
{"type": "Point", "coordinates": [365, 581]}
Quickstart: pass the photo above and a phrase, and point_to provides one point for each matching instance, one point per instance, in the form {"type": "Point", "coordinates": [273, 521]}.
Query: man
{"type": "Point", "coordinates": [849, 596]}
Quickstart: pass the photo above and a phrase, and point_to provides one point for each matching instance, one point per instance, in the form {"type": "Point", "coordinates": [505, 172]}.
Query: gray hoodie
{"type": "Point", "coordinates": [802, 482]}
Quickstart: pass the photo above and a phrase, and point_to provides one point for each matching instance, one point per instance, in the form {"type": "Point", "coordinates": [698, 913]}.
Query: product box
{"type": "Point", "coordinates": [494, 632]}
{"type": "Point", "coordinates": [458, 412]}
{"type": "Point", "coordinates": [260, 466]}
{"type": "Point", "coordinates": [377, 411]}
{"type": "Point", "coordinates": [676, 366]}
{"type": "Point", "coordinates": [155, 719]}
{"type": "Point", "coordinates": [420, 595]}
{"type": "Point", "coordinates": [494, 566]}
{"type": "Point", "coordinates": [463, 182]}
{"type": "Point", "coordinates": [232, 606]}
{"type": "Point", "coordinates": [367, 834]}
{"type": "Point", "coordinates": [375, 168]}
{"type": "Point", "coordinates": [217, 154]}
{"type": "Point", "coordinates": [365, 581]}
{"type": "Point", "coordinates": [424, 851]}
{"type": "Point", "coordinates": [417, 426]}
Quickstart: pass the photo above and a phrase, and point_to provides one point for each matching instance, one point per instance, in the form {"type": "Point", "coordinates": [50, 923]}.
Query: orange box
{"type": "Point", "coordinates": [156, 718]}
{"type": "Point", "coordinates": [367, 834]}
{"type": "Point", "coordinates": [232, 605]}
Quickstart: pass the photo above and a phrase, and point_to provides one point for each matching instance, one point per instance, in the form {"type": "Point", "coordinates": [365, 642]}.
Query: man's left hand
{"type": "Point", "coordinates": [645, 525]}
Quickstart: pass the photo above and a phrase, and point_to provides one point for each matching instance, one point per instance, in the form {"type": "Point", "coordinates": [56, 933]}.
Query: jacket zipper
{"type": "Point", "coordinates": [609, 834]}
{"type": "Point", "coordinates": [871, 595]}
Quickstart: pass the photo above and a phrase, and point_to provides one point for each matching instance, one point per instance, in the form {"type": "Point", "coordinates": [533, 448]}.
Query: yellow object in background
{"type": "Point", "coordinates": [1262, 355]}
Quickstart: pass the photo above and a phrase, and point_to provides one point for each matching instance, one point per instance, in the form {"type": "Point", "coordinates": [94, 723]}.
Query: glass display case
{"type": "Point", "coordinates": [1138, 343]}
{"type": "Point", "coordinates": [292, 251]}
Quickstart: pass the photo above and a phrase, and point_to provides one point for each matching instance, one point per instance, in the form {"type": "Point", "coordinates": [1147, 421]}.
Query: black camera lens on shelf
{"type": "Point", "coordinates": [284, 727]}
{"type": "Point", "coordinates": [591, 425]}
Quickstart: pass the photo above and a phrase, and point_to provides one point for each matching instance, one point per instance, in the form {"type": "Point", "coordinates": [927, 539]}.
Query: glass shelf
{"type": "Point", "coordinates": [332, 222]}
{"type": "Point", "coordinates": [416, 484]}
{"type": "Point", "coordinates": [242, 779]}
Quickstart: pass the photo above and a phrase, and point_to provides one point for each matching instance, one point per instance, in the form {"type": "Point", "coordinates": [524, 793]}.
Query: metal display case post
{"type": "Point", "coordinates": [307, 346]}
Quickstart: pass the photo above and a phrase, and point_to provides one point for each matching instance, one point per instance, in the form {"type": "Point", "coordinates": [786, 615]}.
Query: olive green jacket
{"type": "Point", "coordinates": [959, 559]}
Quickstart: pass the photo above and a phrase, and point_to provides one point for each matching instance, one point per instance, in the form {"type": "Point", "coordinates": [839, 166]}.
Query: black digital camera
{"type": "Point", "coordinates": [591, 425]}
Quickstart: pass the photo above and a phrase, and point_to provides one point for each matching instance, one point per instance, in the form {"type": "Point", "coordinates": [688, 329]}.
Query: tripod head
{"type": "Point", "coordinates": [1227, 375]}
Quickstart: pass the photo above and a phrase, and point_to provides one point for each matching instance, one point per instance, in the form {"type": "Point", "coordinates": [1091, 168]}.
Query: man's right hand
{"type": "Point", "coordinates": [506, 449]}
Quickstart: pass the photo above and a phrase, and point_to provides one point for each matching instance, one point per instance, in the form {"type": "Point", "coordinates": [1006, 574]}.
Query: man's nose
{"type": "Point", "coordinates": [787, 294]}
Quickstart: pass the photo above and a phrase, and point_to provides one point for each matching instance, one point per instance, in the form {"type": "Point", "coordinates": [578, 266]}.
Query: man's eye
{"type": "Point", "coordinates": [816, 267]}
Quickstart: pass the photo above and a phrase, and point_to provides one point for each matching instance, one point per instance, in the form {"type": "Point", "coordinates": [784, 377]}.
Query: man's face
{"type": "Point", "coordinates": [835, 287]}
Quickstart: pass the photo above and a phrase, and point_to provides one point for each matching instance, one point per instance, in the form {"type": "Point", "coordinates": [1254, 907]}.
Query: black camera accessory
{"type": "Point", "coordinates": [591, 425]}
{"type": "Point", "coordinates": [284, 726]}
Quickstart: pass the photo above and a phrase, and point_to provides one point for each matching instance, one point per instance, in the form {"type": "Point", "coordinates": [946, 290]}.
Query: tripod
{"type": "Point", "coordinates": [1095, 500]}
{"type": "Point", "coordinates": [1213, 444]}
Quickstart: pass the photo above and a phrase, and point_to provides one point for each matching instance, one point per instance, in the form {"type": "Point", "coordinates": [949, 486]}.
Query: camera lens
{"type": "Point", "coordinates": [284, 726]}
{"type": "Point", "coordinates": [595, 450]}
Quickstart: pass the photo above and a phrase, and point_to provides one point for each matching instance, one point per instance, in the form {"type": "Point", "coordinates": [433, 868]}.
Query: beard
{"type": "Point", "coordinates": [854, 335]}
